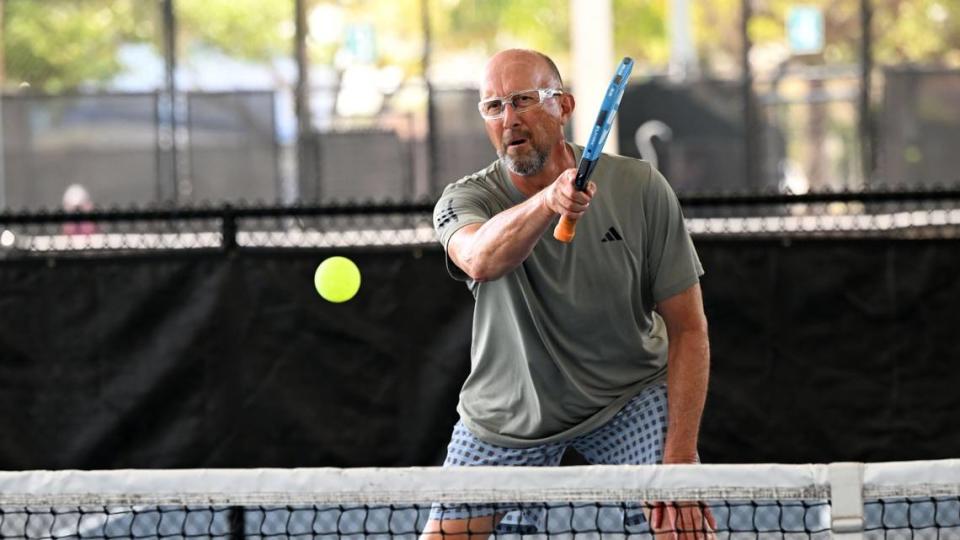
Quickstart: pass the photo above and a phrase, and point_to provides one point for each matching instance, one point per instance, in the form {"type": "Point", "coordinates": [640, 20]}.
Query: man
{"type": "Point", "coordinates": [573, 344]}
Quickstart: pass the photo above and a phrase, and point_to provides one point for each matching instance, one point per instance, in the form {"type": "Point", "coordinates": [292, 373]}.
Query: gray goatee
{"type": "Point", "coordinates": [527, 164]}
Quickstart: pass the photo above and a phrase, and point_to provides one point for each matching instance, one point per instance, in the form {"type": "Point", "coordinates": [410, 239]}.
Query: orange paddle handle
{"type": "Point", "coordinates": [565, 230]}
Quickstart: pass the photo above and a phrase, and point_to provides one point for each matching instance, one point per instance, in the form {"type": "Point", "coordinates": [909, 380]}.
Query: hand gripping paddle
{"type": "Point", "coordinates": [566, 229]}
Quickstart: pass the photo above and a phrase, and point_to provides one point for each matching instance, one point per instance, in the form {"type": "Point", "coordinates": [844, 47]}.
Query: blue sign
{"type": "Point", "coordinates": [361, 43]}
{"type": "Point", "coordinates": [805, 30]}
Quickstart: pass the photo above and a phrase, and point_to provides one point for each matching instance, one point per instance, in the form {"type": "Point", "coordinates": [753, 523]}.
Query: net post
{"type": "Point", "coordinates": [846, 495]}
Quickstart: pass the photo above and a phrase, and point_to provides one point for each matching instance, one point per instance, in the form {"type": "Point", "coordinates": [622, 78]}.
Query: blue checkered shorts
{"type": "Point", "coordinates": [634, 436]}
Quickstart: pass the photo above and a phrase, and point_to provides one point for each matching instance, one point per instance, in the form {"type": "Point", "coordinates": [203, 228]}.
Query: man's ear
{"type": "Point", "coordinates": [567, 104]}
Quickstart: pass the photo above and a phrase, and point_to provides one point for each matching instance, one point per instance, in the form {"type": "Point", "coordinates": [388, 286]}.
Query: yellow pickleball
{"type": "Point", "coordinates": [337, 279]}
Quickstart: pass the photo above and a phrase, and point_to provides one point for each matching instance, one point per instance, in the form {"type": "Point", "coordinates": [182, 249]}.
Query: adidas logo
{"type": "Point", "coordinates": [612, 236]}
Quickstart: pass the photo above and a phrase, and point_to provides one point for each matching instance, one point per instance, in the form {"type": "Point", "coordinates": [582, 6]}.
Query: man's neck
{"type": "Point", "coordinates": [561, 159]}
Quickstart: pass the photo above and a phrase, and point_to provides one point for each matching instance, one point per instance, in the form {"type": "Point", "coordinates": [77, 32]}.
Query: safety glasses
{"type": "Point", "coordinates": [493, 108]}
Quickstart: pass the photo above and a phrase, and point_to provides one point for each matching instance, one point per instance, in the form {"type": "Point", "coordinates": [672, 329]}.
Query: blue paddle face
{"type": "Point", "coordinates": [608, 110]}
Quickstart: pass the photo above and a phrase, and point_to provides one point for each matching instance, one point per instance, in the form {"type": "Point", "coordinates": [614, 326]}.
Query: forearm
{"type": "Point", "coordinates": [506, 240]}
{"type": "Point", "coordinates": [688, 371]}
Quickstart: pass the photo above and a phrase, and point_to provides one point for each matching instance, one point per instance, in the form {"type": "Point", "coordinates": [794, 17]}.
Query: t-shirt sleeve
{"type": "Point", "coordinates": [459, 206]}
{"type": "Point", "coordinates": [672, 260]}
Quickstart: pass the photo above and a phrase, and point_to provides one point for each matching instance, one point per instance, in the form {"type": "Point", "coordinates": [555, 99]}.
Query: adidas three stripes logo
{"type": "Point", "coordinates": [612, 236]}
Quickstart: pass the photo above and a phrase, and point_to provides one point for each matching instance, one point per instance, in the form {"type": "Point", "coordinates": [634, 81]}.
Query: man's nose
{"type": "Point", "coordinates": [510, 115]}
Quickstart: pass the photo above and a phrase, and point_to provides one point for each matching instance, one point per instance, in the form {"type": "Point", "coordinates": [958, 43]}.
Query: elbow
{"type": "Point", "coordinates": [481, 265]}
{"type": "Point", "coordinates": [482, 269]}
{"type": "Point", "coordinates": [479, 277]}
{"type": "Point", "coordinates": [481, 272]}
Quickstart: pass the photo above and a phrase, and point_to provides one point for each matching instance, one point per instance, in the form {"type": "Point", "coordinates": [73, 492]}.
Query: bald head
{"type": "Point", "coordinates": [528, 136]}
{"type": "Point", "coordinates": [511, 64]}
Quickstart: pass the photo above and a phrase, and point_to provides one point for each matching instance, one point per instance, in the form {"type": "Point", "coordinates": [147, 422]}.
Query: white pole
{"type": "Point", "coordinates": [3, 80]}
{"type": "Point", "coordinates": [3, 155]}
{"type": "Point", "coordinates": [683, 54]}
{"type": "Point", "coordinates": [591, 28]}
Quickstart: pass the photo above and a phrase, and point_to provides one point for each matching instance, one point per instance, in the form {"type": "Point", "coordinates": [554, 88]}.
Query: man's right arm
{"type": "Point", "coordinates": [486, 251]}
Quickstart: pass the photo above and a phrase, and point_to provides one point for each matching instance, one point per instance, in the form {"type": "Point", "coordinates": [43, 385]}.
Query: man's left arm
{"type": "Point", "coordinates": [688, 370]}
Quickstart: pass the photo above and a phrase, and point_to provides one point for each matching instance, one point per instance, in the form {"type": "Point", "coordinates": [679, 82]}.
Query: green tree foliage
{"type": "Point", "coordinates": [497, 24]}
{"type": "Point", "coordinates": [841, 26]}
{"type": "Point", "coordinates": [904, 31]}
{"type": "Point", "coordinates": [247, 29]}
{"type": "Point", "coordinates": [921, 31]}
{"type": "Point", "coordinates": [397, 24]}
{"type": "Point", "coordinates": [639, 28]}
{"type": "Point", "coordinates": [716, 32]}
{"type": "Point", "coordinates": [640, 31]}
{"type": "Point", "coordinates": [57, 45]}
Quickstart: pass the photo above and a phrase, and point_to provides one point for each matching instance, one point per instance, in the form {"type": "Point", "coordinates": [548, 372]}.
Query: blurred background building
{"type": "Point", "coordinates": [148, 102]}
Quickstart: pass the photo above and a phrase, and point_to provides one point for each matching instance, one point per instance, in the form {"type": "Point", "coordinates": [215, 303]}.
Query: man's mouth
{"type": "Point", "coordinates": [516, 142]}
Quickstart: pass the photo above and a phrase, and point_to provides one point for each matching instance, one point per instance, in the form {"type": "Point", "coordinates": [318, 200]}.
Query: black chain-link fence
{"type": "Point", "coordinates": [216, 229]}
{"type": "Point", "coordinates": [231, 147]}
{"type": "Point", "coordinates": [108, 143]}
{"type": "Point", "coordinates": [877, 214]}
{"type": "Point", "coordinates": [900, 214]}
{"type": "Point", "coordinates": [228, 147]}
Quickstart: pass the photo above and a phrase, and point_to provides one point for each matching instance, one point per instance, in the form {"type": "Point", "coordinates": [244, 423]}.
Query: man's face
{"type": "Point", "coordinates": [522, 140]}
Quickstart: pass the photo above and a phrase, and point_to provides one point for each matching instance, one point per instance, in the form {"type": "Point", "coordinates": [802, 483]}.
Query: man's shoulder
{"type": "Point", "coordinates": [635, 166]}
{"type": "Point", "coordinates": [624, 174]}
{"type": "Point", "coordinates": [479, 182]}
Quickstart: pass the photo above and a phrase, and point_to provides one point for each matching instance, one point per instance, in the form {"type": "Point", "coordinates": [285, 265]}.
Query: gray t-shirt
{"type": "Point", "coordinates": [564, 340]}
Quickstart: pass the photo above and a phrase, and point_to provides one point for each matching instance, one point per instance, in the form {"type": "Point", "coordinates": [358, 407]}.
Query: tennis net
{"type": "Point", "coordinates": [844, 500]}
